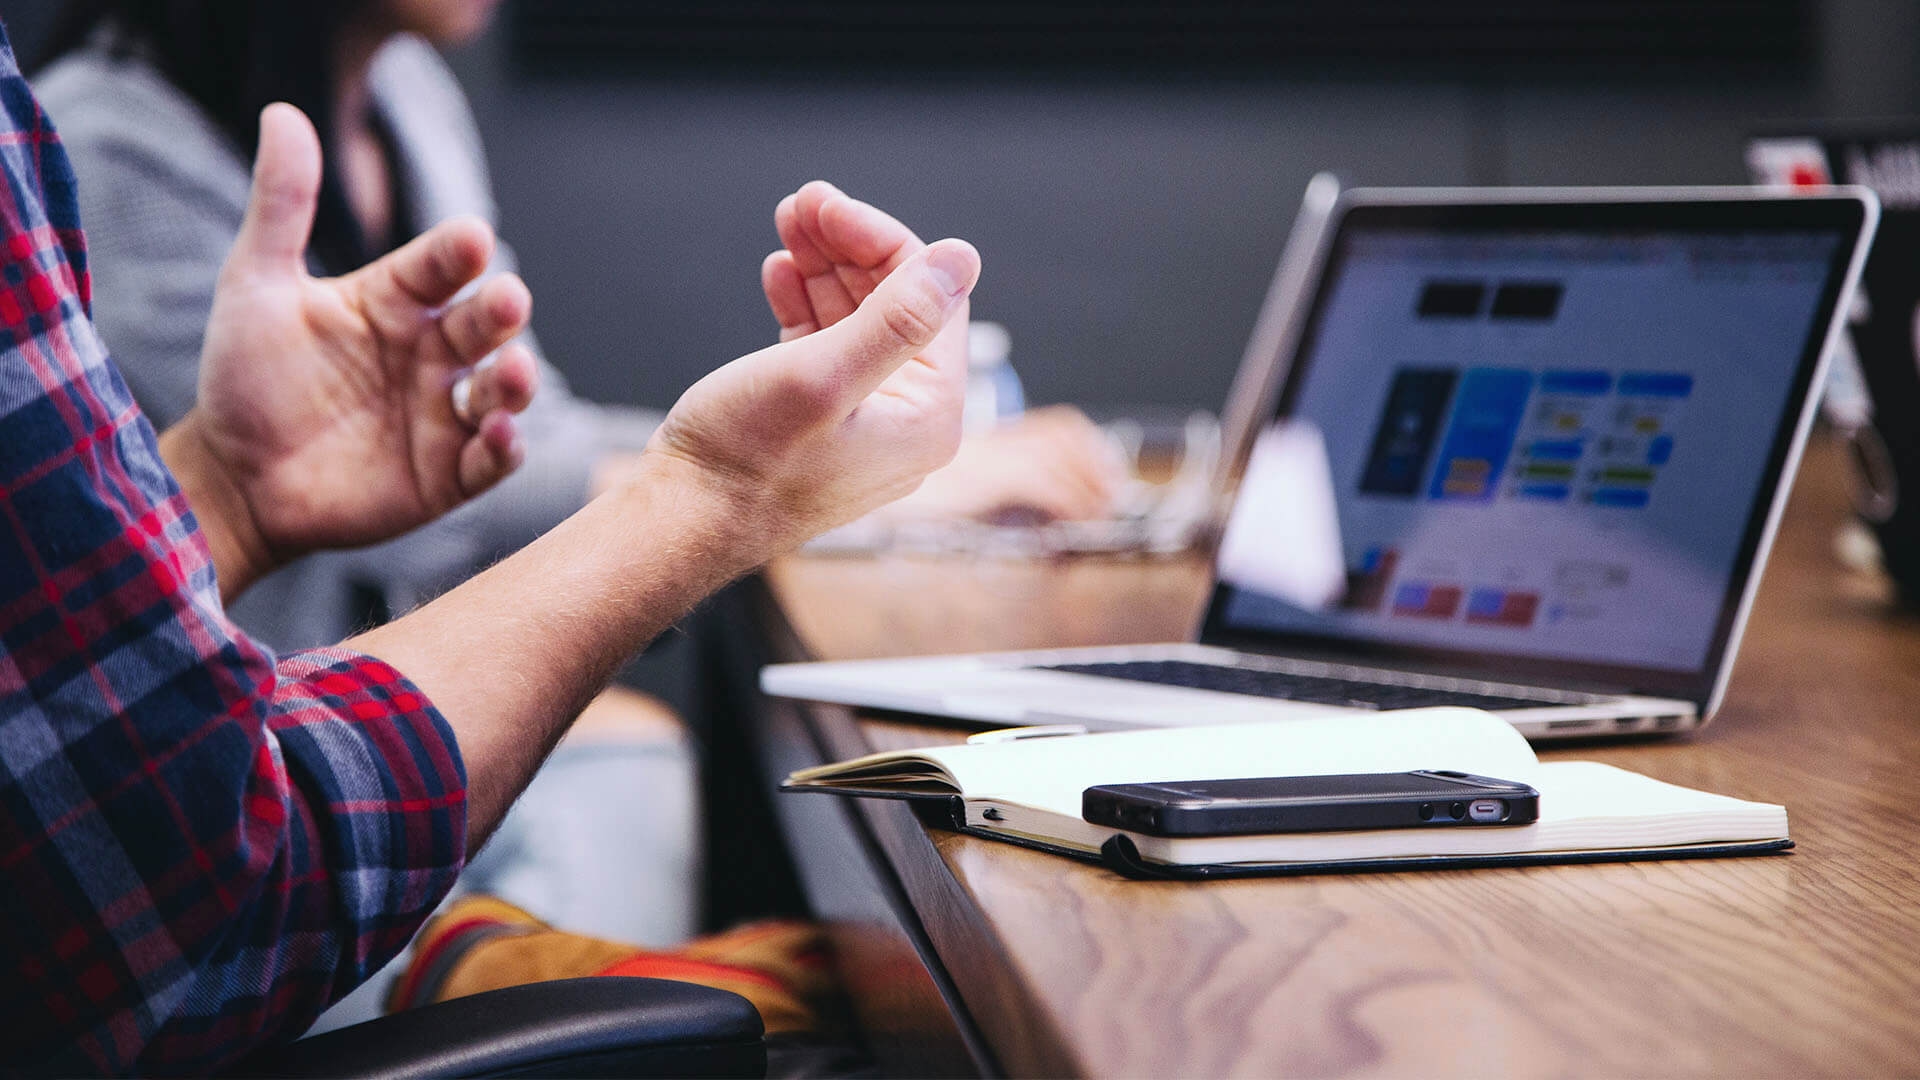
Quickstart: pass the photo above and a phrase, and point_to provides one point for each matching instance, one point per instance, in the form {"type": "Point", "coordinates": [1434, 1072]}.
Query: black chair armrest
{"type": "Point", "coordinates": [611, 1027]}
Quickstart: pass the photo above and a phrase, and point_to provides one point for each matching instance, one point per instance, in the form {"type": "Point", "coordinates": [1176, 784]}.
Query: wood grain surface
{"type": "Point", "coordinates": [1797, 965]}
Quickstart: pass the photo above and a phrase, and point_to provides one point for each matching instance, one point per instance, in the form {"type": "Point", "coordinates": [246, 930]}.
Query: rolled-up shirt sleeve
{"type": "Point", "coordinates": [351, 825]}
{"type": "Point", "coordinates": [362, 745]}
{"type": "Point", "coordinates": [204, 845]}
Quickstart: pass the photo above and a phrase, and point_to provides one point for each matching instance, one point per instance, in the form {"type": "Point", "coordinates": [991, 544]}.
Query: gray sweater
{"type": "Point", "coordinates": [162, 193]}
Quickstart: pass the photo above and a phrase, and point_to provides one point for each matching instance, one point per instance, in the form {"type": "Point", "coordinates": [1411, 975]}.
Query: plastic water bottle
{"type": "Point", "coordinates": [994, 393]}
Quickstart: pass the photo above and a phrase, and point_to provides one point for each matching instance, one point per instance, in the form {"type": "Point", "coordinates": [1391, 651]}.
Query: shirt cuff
{"type": "Point", "coordinates": [382, 775]}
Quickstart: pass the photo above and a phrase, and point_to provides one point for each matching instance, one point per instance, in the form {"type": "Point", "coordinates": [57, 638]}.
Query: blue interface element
{"type": "Point", "coordinates": [1626, 498]}
{"type": "Point", "coordinates": [1490, 404]}
{"type": "Point", "coordinates": [1575, 382]}
{"type": "Point", "coordinates": [1661, 384]}
{"type": "Point", "coordinates": [1549, 492]}
{"type": "Point", "coordinates": [1556, 450]}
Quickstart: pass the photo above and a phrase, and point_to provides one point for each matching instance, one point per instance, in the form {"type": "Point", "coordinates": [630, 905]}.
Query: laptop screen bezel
{"type": "Point", "coordinates": [1845, 216]}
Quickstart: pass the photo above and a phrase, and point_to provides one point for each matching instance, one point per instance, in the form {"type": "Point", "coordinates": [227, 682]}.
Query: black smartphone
{"type": "Point", "coordinates": [1271, 804]}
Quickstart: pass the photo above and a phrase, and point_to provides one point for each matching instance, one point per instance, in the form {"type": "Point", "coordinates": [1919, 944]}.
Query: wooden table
{"type": "Point", "coordinates": [965, 955]}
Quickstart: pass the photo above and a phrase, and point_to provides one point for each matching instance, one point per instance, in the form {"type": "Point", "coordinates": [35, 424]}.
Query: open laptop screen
{"type": "Point", "coordinates": [1551, 446]}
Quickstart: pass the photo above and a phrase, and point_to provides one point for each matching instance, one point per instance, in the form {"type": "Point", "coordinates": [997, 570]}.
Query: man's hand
{"type": "Point", "coordinates": [836, 251]}
{"type": "Point", "coordinates": [324, 416]}
{"type": "Point", "coordinates": [1052, 464]}
{"type": "Point", "coordinates": [860, 400]}
{"type": "Point", "coordinates": [771, 449]}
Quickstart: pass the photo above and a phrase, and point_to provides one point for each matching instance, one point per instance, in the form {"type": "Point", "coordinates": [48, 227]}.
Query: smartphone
{"type": "Point", "coordinates": [1408, 800]}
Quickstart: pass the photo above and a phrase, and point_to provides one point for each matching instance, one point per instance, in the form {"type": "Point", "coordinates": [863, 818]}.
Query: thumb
{"type": "Point", "coordinates": [896, 321]}
{"type": "Point", "coordinates": [286, 189]}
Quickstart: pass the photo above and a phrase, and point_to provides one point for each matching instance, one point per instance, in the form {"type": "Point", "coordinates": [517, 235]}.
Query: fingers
{"type": "Point", "coordinates": [494, 391]}
{"type": "Point", "coordinates": [491, 454]}
{"type": "Point", "coordinates": [286, 188]}
{"type": "Point", "coordinates": [1052, 463]}
{"type": "Point", "coordinates": [865, 242]}
{"type": "Point", "coordinates": [1083, 493]}
{"type": "Point", "coordinates": [863, 235]}
{"type": "Point", "coordinates": [827, 295]}
{"type": "Point", "coordinates": [1056, 494]}
{"type": "Point", "coordinates": [1059, 492]}
{"type": "Point", "coordinates": [842, 247]}
{"type": "Point", "coordinates": [841, 231]}
{"type": "Point", "coordinates": [796, 237]}
{"type": "Point", "coordinates": [1049, 481]}
{"type": "Point", "coordinates": [488, 319]}
{"type": "Point", "coordinates": [901, 318]}
{"type": "Point", "coordinates": [787, 296]}
{"type": "Point", "coordinates": [505, 381]}
{"type": "Point", "coordinates": [432, 267]}
{"type": "Point", "coordinates": [1080, 447]}
{"type": "Point", "coordinates": [1025, 470]}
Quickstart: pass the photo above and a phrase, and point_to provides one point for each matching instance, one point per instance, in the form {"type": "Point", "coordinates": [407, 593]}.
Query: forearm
{"type": "Point", "coordinates": [513, 655]}
{"type": "Point", "coordinates": [240, 554]}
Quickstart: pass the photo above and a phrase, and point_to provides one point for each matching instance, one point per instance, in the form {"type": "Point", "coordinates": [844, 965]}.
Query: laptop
{"type": "Point", "coordinates": [1554, 430]}
{"type": "Point", "coordinates": [1873, 395]}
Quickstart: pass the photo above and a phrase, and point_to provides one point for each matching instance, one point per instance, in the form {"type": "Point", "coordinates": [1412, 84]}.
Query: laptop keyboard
{"type": "Point", "coordinates": [1312, 689]}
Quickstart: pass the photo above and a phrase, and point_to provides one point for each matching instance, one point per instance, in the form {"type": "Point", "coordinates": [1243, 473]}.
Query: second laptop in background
{"type": "Point", "coordinates": [1874, 396]}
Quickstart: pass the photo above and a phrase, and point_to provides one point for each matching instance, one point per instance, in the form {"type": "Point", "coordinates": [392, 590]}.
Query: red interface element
{"type": "Point", "coordinates": [1426, 601]}
{"type": "Point", "coordinates": [1498, 607]}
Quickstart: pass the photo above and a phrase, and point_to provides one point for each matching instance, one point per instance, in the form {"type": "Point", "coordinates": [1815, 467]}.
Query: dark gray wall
{"type": "Point", "coordinates": [1128, 227]}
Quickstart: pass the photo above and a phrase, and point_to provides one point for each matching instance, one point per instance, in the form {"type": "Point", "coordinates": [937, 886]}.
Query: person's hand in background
{"type": "Point", "coordinates": [1050, 464]}
{"type": "Point", "coordinates": [325, 417]}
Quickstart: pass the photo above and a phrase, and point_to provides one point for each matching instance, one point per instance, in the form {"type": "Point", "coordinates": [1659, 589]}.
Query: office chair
{"type": "Point", "coordinates": [598, 1027]}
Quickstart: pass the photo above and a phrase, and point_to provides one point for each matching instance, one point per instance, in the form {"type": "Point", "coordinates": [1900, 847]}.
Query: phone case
{"type": "Point", "coordinates": [1237, 807]}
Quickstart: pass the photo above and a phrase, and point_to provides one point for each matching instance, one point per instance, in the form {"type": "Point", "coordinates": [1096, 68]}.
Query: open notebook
{"type": "Point", "coordinates": [1028, 791]}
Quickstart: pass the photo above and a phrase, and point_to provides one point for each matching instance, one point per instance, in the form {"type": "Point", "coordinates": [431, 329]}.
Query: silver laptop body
{"type": "Point", "coordinates": [1553, 430]}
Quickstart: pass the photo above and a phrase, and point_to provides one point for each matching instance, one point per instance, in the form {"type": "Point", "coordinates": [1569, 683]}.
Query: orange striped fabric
{"type": "Point", "coordinates": [481, 943]}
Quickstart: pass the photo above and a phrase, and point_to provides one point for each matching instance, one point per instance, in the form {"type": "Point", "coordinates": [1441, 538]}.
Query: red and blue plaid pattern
{"type": "Point", "coordinates": [200, 846]}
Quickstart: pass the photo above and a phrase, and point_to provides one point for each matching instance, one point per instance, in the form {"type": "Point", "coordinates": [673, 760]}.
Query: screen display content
{"type": "Point", "coordinates": [1544, 443]}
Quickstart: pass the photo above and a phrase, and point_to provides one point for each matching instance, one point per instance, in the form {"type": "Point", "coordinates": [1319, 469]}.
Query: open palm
{"type": "Point", "coordinates": [326, 401]}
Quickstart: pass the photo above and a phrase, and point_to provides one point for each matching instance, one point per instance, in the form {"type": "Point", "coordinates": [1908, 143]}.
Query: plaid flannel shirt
{"type": "Point", "coordinates": [200, 846]}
